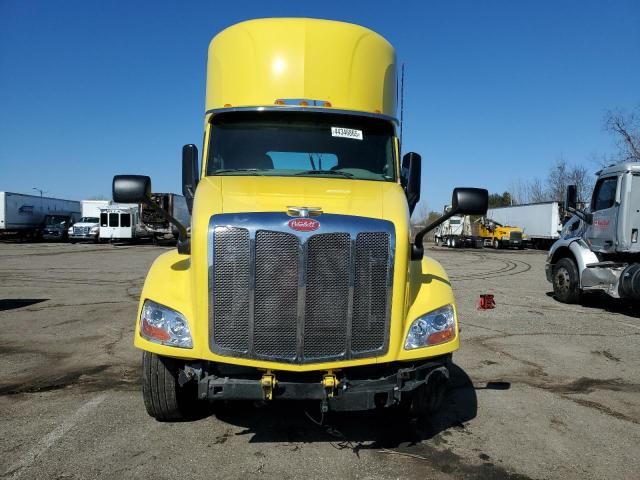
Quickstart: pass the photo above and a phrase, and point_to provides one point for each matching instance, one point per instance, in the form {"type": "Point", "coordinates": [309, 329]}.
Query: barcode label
{"type": "Point", "coordinates": [346, 133]}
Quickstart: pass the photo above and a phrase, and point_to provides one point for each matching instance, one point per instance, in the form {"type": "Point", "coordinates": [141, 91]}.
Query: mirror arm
{"type": "Point", "coordinates": [417, 249]}
{"type": "Point", "coordinates": [587, 217]}
{"type": "Point", "coordinates": [184, 243]}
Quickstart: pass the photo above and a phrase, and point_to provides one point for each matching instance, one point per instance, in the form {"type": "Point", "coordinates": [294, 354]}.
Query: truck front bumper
{"type": "Point", "coordinates": [52, 235]}
{"type": "Point", "coordinates": [360, 388]}
{"type": "Point", "coordinates": [87, 237]}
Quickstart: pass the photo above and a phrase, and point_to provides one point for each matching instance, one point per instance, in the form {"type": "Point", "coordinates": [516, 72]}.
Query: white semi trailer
{"type": "Point", "coordinates": [28, 215]}
{"type": "Point", "coordinates": [541, 223]}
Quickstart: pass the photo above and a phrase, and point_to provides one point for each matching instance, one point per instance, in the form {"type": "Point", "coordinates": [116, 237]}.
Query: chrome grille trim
{"type": "Point", "coordinates": [343, 338]}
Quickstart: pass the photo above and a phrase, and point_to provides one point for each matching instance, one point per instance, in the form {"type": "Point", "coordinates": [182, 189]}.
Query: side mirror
{"type": "Point", "coordinates": [464, 201]}
{"type": "Point", "coordinates": [190, 174]}
{"type": "Point", "coordinates": [470, 201]}
{"type": "Point", "coordinates": [131, 188]}
{"type": "Point", "coordinates": [410, 178]}
{"type": "Point", "coordinates": [571, 198]}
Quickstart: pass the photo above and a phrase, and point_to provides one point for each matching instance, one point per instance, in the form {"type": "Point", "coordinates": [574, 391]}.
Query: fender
{"type": "Point", "coordinates": [579, 251]}
{"type": "Point", "coordinates": [428, 289]}
{"type": "Point", "coordinates": [168, 283]}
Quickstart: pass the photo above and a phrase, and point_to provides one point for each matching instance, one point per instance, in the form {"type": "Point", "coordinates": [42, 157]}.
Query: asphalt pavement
{"type": "Point", "coordinates": [539, 389]}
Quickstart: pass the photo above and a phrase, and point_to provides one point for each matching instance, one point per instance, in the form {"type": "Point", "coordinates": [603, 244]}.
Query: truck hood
{"type": "Point", "coordinates": [233, 194]}
{"type": "Point", "coordinates": [85, 224]}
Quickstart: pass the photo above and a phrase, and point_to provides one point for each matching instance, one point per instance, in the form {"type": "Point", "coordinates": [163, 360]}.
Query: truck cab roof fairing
{"type": "Point", "coordinates": [352, 68]}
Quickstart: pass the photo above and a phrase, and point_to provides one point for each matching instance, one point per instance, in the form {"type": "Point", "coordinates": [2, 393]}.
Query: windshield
{"type": "Point", "coordinates": [89, 220]}
{"type": "Point", "coordinates": [301, 144]}
{"type": "Point", "coordinates": [55, 219]}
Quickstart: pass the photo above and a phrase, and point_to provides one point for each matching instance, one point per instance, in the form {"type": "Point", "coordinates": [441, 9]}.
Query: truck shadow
{"type": "Point", "coordinates": [605, 302]}
{"type": "Point", "coordinates": [13, 303]}
{"type": "Point", "coordinates": [389, 428]}
{"type": "Point", "coordinates": [602, 301]}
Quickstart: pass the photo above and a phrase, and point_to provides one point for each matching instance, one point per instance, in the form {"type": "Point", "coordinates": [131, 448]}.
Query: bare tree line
{"type": "Point", "coordinates": [624, 127]}
{"type": "Point", "coordinates": [554, 186]}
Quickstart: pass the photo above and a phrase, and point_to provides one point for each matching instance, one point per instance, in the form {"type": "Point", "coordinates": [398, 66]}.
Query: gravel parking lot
{"type": "Point", "coordinates": [540, 389]}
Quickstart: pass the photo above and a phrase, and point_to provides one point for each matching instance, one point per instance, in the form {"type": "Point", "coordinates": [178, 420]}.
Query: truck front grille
{"type": "Point", "coordinates": [81, 231]}
{"type": "Point", "coordinates": [299, 297]}
{"type": "Point", "coordinates": [515, 236]}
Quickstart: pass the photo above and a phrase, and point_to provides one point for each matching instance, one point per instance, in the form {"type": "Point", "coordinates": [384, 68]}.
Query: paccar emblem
{"type": "Point", "coordinates": [304, 224]}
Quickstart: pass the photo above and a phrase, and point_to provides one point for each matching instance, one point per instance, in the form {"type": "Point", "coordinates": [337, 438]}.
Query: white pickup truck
{"type": "Point", "coordinates": [88, 228]}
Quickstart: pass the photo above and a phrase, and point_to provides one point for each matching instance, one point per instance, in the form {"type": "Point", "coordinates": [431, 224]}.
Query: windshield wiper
{"type": "Point", "coordinates": [231, 170]}
{"type": "Point", "coordinates": [326, 172]}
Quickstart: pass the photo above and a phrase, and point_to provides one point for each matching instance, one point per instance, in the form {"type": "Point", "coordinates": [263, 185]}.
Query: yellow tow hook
{"type": "Point", "coordinates": [330, 382]}
{"type": "Point", "coordinates": [268, 383]}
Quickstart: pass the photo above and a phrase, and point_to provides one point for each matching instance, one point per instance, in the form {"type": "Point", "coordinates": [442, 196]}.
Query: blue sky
{"type": "Point", "coordinates": [495, 91]}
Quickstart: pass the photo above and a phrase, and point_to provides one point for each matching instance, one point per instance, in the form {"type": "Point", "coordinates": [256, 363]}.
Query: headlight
{"type": "Point", "coordinates": [163, 325]}
{"type": "Point", "coordinates": [70, 231]}
{"type": "Point", "coordinates": [504, 239]}
{"type": "Point", "coordinates": [433, 328]}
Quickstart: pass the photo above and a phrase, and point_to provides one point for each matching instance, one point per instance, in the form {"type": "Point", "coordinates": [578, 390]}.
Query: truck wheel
{"type": "Point", "coordinates": [454, 243]}
{"type": "Point", "coordinates": [437, 242]}
{"type": "Point", "coordinates": [164, 398]}
{"type": "Point", "coordinates": [566, 281]}
{"type": "Point", "coordinates": [496, 243]}
{"type": "Point", "coordinates": [427, 399]}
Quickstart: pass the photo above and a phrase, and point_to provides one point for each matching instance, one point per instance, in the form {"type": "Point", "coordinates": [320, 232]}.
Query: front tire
{"type": "Point", "coordinates": [566, 283]}
{"type": "Point", "coordinates": [163, 396]}
{"type": "Point", "coordinates": [427, 399]}
{"type": "Point", "coordinates": [496, 243]}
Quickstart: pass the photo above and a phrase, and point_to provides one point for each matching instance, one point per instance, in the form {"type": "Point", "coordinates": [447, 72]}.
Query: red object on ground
{"type": "Point", "coordinates": [486, 302]}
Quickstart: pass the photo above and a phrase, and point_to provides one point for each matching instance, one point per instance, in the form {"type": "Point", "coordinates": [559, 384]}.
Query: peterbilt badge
{"type": "Point", "coordinates": [304, 224]}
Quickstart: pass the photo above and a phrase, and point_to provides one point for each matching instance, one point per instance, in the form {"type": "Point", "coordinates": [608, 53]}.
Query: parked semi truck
{"type": "Point", "coordinates": [88, 228]}
{"type": "Point", "coordinates": [457, 232]}
{"type": "Point", "coordinates": [298, 280]}
{"type": "Point", "coordinates": [158, 225]}
{"type": "Point", "coordinates": [540, 222]}
{"type": "Point", "coordinates": [495, 234]}
{"type": "Point", "coordinates": [599, 248]}
{"type": "Point", "coordinates": [28, 216]}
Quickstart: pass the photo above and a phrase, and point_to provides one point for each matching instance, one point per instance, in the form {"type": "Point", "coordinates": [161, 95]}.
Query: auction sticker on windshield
{"type": "Point", "coordinates": [346, 133]}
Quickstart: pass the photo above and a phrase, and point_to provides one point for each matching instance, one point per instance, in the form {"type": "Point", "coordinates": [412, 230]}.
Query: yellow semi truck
{"type": "Point", "coordinates": [496, 235]}
{"type": "Point", "coordinates": [298, 279]}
